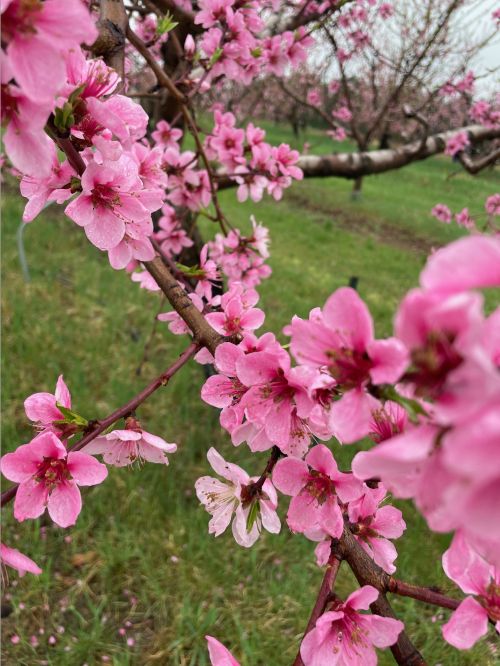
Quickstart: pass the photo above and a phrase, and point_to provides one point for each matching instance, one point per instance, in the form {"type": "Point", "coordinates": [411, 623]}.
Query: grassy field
{"type": "Point", "coordinates": [140, 558]}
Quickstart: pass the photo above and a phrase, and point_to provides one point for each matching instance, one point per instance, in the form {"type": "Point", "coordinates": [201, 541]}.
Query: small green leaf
{"type": "Point", "coordinates": [70, 416]}
{"type": "Point", "coordinates": [413, 407]}
{"type": "Point", "coordinates": [252, 515]}
{"type": "Point", "coordinates": [166, 24]}
{"type": "Point", "coordinates": [215, 56]}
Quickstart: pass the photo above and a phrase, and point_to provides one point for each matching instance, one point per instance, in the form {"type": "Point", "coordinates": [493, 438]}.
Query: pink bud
{"type": "Point", "coordinates": [189, 46]}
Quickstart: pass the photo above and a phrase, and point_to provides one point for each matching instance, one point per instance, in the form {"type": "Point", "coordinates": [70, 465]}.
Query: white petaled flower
{"type": "Point", "coordinates": [223, 499]}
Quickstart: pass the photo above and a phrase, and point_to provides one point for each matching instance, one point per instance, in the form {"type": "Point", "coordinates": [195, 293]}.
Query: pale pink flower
{"type": "Point", "coordinates": [374, 525]}
{"type": "Point", "coordinates": [171, 235]}
{"type": "Point", "coordinates": [219, 655]}
{"type": "Point", "coordinates": [38, 190]}
{"type": "Point", "coordinates": [133, 444]}
{"type": "Point", "coordinates": [13, 558]}
{"type": "Point", "coordinates": [442, 213]}
{"type": "Point", "coordinates": [166, 136]}
{"type": "Point", "coordinates": [344, 636]}
{"type": "Point", "coordinates": [314, 97]}
{"type": "Point", "coordinates": [222, 499]}
{"type": "Point", "coordinates": [314, 485]}
{"type": "Point", "coordinates": [475, 577]}
{"type": "Point", "coordinates": [41, 408]}
{"type": "Point", "coordinates": [463, 219]}
{"type": "Point", "coordinates": [343, 114]}
{"type": "Point", "coordinates": [49, 477]}
{"type": "Point", "coordinates": [492, 204]}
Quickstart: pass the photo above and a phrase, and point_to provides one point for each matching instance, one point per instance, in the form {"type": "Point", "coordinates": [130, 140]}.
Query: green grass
{"type": "Point", "coordinates": [140, 552]}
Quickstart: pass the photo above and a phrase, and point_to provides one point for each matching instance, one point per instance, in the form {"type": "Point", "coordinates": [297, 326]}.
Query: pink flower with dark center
{"type": "Point", "coordinates": [475, 577]}
{"type": "Point", "coordinates": [225, 389]}
{"type": "Point", "coordinates": [166, 136]}
{"type": "Point", "coordinates": [442, 213]}
{"type": "Point", "coordinates": [373, 526]}
{"type": "Point", "coordinates": [276, 393]}
{"type": "Point", "coordinates": [171, 235]}
{"type": "Point", "coordinates": [49, 477]}
{"type": "Point", "coordinates": [343, 343]}
{"type": "Point", "coordinates": [316, 487]}
{"type": "Point", "coordinates": [345, 636]}
{"type": "Point", "coordinates": [463, 219]}
{"type": "Point", "coordinates": [112, 203]}
{"type": "Point", "coordinates": [388, 421]}
{"type": "Point", "coordinates": [133, 444]}
{"type": "Point", "coordinates": [11, 557]}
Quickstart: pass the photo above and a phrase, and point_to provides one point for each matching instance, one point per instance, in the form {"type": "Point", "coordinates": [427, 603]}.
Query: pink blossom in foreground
{"type": "Point", "coordinates": [456, 144]}
{"type": "Point", "coordinates": [314, 485]}
{"type": "Point", "coordinates": [49, 477]}
{"type": "Point", "coordinates": [219, 655]}
{"type": "Point", "coordinates": [468, 263]}
{"type": "Point", "coordinates": [345, 636]}
{"type": "Point", "coordinates": [342, 342]}
{"type": "Point", "coordinates": [133, 444]}
{"type": "Point", "coordinates": [374, 525]}
{"type": "Point", "coordinates": [13, 558]}
{"type": "Point", "coordinates": [41, 408]}
{"type": "Point", "coordinates": [27, 145]}
{"type": "Point", "coordinates": [37, 35]}
{"type": "Point", "coordinates": [475, 577]}
{"type": "Point", "coordinates": [222, 499]}
{"type": "Point", "coordinates": [442, 213]}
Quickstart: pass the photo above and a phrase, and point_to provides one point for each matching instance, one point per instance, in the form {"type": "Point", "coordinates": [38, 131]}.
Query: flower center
{"type": "Point", "coordinates": [349, 367]}
{"type": "Point", "coordinates": [52, 471]}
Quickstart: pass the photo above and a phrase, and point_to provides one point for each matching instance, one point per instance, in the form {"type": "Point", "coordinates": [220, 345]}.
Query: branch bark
{"type": "Point", "coordinates": [355, 165]}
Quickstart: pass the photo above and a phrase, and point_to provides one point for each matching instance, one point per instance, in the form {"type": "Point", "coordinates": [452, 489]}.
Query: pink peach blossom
{"type": "Point", "coordinates": [133, 444]}
{"type": "Point", "coordinates": [314, 485]}
{"type": "Point", "coordinates": [49, 477]}
{"type": "Point", "coordinates": [345, 636]}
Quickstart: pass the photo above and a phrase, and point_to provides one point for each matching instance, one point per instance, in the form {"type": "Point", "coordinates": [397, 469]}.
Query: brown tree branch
{"type": "Point", "coordinates": [474, 166]}
{"type": "Point", "coordinates": [354, 165]}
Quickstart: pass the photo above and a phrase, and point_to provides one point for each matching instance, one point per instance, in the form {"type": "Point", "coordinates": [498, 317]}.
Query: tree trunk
{"type": "Point", "coordinates": [356, 193]}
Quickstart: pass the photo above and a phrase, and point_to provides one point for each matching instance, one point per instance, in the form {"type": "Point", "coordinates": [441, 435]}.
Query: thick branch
{"type": "Point", "coordinates": [477, 165]}
{"type": "Point", "coordinates": [203, 333]}
{"type": "Point", "coordinates": [368, 573]}
{"type": "Point", "coordinates": [354, 165]}
{"type": "Point", "coordinates": [100, 426]}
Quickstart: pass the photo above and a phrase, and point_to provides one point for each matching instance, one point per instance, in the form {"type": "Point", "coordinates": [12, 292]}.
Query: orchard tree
{"type": "Point", "coordinates": [428, 397]}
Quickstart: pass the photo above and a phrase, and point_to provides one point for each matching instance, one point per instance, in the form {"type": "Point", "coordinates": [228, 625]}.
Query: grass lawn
{"type": "Point", "coordinates": [140, 556]}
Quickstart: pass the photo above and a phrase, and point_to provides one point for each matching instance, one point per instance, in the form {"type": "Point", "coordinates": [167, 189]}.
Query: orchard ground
{"type": "Point", "coordinates": [140, 557]}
